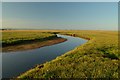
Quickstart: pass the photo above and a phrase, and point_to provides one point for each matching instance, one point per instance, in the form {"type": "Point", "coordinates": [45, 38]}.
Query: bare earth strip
{"type": "Point", "coordinates": [32, 45]}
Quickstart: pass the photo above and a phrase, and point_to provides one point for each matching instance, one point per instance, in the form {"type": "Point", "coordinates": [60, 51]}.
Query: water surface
{"type": "Point", "coordinates": [15, 63]}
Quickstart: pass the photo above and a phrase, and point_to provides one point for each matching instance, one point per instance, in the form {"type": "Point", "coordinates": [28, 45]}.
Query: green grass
{"type": "Point", "coordinates": [98, 58]}
{"type": "Point", "coordinates": [16, 37]}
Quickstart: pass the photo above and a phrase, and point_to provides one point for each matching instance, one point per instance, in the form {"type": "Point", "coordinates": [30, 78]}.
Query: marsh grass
{"type": "Point", "coordinates": [98, 58]}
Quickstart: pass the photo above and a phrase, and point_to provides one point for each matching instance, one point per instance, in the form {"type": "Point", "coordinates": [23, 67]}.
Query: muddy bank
{"type": "Point", "coordinates": [32, 45]}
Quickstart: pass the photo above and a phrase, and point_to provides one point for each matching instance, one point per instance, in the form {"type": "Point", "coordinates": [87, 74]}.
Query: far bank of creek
{"type": "Point", "coordinates": [16, 62]}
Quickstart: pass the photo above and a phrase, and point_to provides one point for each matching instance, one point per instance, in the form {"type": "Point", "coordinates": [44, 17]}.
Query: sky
{"type": "Point", "coordinates": [60, 0]}
{"type": "Point", "coordinates": [60, 15]}
{"type": "Point", "coordinates": [0, 15]}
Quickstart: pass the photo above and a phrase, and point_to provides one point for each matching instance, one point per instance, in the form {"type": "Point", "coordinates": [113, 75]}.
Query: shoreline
{"type": "Point", "coordinates": [33, 45]}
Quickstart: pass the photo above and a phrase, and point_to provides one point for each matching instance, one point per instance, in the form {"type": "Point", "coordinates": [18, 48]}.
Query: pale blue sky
{"type": "Point", "coordinates": [0, 15]}
{"type": "Point", "coordinates": [60, 0]}
{"type": "Point", "coordinates": [61, 15]}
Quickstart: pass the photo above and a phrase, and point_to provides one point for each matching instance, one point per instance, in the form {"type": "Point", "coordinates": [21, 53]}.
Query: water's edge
{"type": "Point", "coordinates": [32, 45]}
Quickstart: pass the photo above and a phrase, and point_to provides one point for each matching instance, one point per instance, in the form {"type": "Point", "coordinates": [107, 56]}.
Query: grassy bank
{"type": "Point", "coordinates": [98, 58]}
{"type": "Point", "coordinates": [15, 37]}
{"type": "Point", "coordinates": [19, 40]}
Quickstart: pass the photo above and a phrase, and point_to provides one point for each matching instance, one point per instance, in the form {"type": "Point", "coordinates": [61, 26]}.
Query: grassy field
{"type": "Point", "coordinates": [15, 37]}
{"type": "Point", "coordinates": [98, 58]}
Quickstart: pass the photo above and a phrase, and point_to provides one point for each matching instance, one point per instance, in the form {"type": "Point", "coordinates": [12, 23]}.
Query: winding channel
{"type": "Point", "coordinates": [15, 63]}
